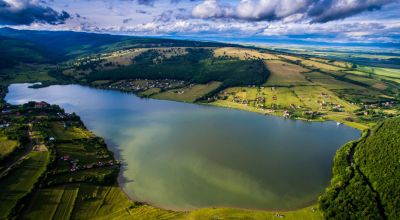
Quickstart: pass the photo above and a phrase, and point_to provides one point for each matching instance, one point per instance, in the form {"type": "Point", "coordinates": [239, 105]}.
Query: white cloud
{"type": "Point", "coordinates": [319, 11]}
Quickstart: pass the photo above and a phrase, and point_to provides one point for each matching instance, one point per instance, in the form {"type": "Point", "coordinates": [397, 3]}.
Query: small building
{"type": "Point", "coordinates": [4, 125]}
{"type": "Point", "coordinates": [65, 157]}
{"type": "Point", "coordinates": [286, 114]}
{"type": "Point", "coordinates": [41, 104]}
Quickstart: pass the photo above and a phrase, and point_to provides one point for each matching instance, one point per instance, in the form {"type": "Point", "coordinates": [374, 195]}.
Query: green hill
{"type": "Point", "coordinates": [13, 51]}
{"type": "Point", "coordinates": [64, 45]}
{"type": "Point", "coordinates": [366, 176]}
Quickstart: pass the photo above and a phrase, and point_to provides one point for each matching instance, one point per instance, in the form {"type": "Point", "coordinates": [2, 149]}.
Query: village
{"type": "Point", "coordinates": [139, 85]}
{"type": "Point", "coordinates": [44, 129]}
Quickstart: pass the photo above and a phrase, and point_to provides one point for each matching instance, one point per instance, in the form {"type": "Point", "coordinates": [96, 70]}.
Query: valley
{"type": "Point", "coordinates": [52, 166]}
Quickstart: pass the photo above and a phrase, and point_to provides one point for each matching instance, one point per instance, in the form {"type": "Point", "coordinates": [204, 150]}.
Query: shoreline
{"type": "Point", "coordinates": [113, 148]}
{"type": "Point", "coordinates": [359, 126]}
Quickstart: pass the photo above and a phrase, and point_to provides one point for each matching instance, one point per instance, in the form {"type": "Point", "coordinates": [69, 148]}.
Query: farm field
{"type": "Point", "coordinates": [312, 96]}
{"type": "Point", "coordinates": [308, 213]}
{"type": "Point", "coordinates": [368, 81]}
{"type": "Point", "coordinates": [44, 203]}
{"type": "Point", "coordinates": [21, 181]}
{"type": "Point", "coordinates": [389, 72]}
{"type": "Point", "coordinates": [285, 74]}
{"type": "Point", "coordinates": [59, 132]}
{"type": "Point", "coordinates": [243, 54]}
{"type": "Point", "coordinates": [66, 203]}
{"type": "Point", "coordinates": [320, 65]}
{"type": "Point", "coordinates": [6, 146]}
{"type": "Point", "coordinates": [24, 73]}
{"type": "Point", "coordinates": [188, 94]}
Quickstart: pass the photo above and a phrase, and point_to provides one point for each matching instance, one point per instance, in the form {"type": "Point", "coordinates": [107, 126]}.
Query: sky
{"type": "Point", "coordinates": [331, 21]}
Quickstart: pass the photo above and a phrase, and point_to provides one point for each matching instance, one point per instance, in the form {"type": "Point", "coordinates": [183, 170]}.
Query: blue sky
{"type": "Point", "coordinates": [333, 21]}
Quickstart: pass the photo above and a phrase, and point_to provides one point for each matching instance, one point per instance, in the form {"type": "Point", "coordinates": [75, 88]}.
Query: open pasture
{"type": "Point", "coordinates": [101, 202]}
{"type": "Point", "coordinates": [308, 213]}
{"type": "Point", "coordinates": [6, 146]}
{"type": "Point", "coordinates": [86, 175]}
{"type": "Point", "coordinates": [319, 65]}
{"type": "Point", "coordinates": [150, 92]}
{"type": "Point", "coordinates": [85, 153]}
{"type": "Point", "coordinates": [243, 53]}
{"type": "Point", "coordinates": [123, 57]}
{"type": "Point", "coordinates": [333, 62]}
{"type": "Point", "coordinates": [69, 132]}
{"type": "Point", "coordinates": [383, 73]}
{"type": "Point", "coordinates": [284, 74]}
{"type": "Point", "coordinates": [188, 94]}
{"type": "Point", "coordinates": [332, 83]}
{"type": "Point", "coordinates": [291, 58]}
{"type": "Point", "coordinates": [313, 96]}
{"type": "Point", "coordinates": [24, 73]}
{"type": "Point", "coordinates": [44, 203]}
{"type": "Point", "coordinates": [66, 203]}
{"type": "Point", "coordinates": [18, 183]}
{"type": "Point", "coordinates": [374, 83]}
{"type": "Point", "coordinates": [281, 97]}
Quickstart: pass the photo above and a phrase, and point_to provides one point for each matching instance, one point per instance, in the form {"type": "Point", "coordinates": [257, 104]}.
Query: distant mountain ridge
{"type": "Point", "coordinates": [63, 45]}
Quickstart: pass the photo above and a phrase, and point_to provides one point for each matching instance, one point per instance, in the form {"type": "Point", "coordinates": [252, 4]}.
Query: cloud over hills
{"type": "Point", "coordinates": [25, 12]}
{"type": "Point", "coordinates": [317, 11]}
{"type": "Point", "coordinates": [310, 20]}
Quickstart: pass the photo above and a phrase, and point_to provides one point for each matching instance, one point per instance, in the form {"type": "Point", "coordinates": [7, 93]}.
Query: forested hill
{"type": "Point", "coordinates": [366, 177]}
{"type": "Point", "coordinates": [13, 51]}
{"type": "Point", "coordinates": [62, 45]}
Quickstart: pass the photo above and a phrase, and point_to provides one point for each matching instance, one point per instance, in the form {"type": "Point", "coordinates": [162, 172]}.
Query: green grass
{"type": "Point", "coordinates": [368, 81]}
{"type": "Point", "coordinates": [150, 92]}
{"type": "Point", "coordinates": [319, 65]}
{"type": "Point", "coordinates": [7, 146]}
{"type": "Point", "coordinates": [67, 202]}
{"type": "Point", "coordinates": [69, 133]}
{"type": "Point", "coordinates": [85, 152]}
{"type": "Point", "coordinates": [332, 83]}
{"type": "Point", "coordinates": [44, 203]}
{"type": "Point", "coordinates": [21, 181]}
{"type": "Point", "coordinates": [27, 73]}
{"type": "Point", "coordinates": [95, 202]}
{"type": "Point", "coordinates": [87, 175]}
{"type": "Point", "coordinates": [285, 74]}
{"type": "Point", "coordinates": [389, 72]}
{"type": "Point", "coordinates": [229, 213]}
{"type": "Point", "coordinates": [285, 97]}
{"type": "Point", "coordinates": [189, 93]}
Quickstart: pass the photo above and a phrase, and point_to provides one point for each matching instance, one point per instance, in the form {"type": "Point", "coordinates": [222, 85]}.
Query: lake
{"type": "Point", "coordinates": [185, 156]}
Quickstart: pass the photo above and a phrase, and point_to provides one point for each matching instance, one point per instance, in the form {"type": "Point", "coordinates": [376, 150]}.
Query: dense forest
{"type": "Point", "coordinates": [366, 176]}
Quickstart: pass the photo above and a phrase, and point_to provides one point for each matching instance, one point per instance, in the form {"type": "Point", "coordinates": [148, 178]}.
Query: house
{"type": "Point", "coordinates": [286, 114]}
{"type": "Point", "coordinates": [4, 125]}
{"type": "Point", "coordinates": [41, 104]}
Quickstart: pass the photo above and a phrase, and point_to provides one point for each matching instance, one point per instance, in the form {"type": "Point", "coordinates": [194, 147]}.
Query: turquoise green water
{"type": "Point", "coordinates": [185, 156]}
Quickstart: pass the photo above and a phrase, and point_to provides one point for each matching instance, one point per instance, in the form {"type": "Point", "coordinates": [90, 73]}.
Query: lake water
{"type": "Point", "coordinates": [184, 156]}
